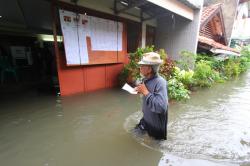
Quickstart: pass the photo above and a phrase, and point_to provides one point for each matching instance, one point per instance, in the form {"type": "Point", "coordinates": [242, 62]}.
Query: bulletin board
{"type": "Point", "coordinates": [89, 39]}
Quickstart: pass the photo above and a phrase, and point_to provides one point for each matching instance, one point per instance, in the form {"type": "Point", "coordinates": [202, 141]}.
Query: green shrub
{"type": "Point", "coordinates": [203, 74]}
{"type": "Point", "coordinates": [207, 70]}
{"type": "Point", "coordinates": [204, 57]}
{"type": "Point", "coordinates": [217, 77]}
{"type": "Point", "coordinates": [245, 52]}
{"type": "Point", "coordinates": [123, 76]}
{"type": "Point", "coordinates": [244, 64]}
{"type": "Point", "coordinates": [162, 53]}
{"type": "Point", "coordinates": [187, 60]}
{"type": "Point", "coordinates": [217, 65]}
{"type": "Point", "coordinates": [167, 68]}
{"type": "Point", "coordinates": [176, 90]}
{"type": "Point", "coordinates": [186, 77]}
{"type": "Point", "coordinates": [131, 71]}
{"type": "Point", "coordinates": [232, 68]}
{"type": "Point", "coordinates": [245, 58]}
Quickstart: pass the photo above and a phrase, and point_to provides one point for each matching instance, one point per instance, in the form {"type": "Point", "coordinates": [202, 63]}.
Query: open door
{"type": "Point", "coordinates": [133, 36]}
{"type": "Point", "coordinates": [150, 35]}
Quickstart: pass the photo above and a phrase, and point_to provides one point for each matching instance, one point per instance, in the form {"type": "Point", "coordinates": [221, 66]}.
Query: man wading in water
{"type": "Point", "coordinates": [155, 98]}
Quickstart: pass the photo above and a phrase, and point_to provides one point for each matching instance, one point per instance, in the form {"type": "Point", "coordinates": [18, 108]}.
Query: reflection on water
{"type": "Point", "coordinates": [212, 128]}
{"type": "Point", "coordinates": [79, 130]}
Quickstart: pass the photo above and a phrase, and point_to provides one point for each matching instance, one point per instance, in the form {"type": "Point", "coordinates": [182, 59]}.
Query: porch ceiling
{"type": "Point", "coordinates": [150, 9]}
{"type": "Point", "coordinates": [30, 16]}
{"type": "Point", "coordinates": [34, 16]}
{"type": "Point", "coordinates": [145, 9]}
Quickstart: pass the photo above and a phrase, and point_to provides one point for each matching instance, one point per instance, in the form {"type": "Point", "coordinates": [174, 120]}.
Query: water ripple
{"type": "Point", "coordinates": [214, 125]}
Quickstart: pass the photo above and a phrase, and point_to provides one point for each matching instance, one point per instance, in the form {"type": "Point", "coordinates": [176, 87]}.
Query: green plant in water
{"type": "Point", "coordinates": [244, 64]}
{"type": "Point", "coordinates": [204, 57]}
{"type": "Point", "coordinates": [217, 65]}
{"type": "Point", "coordinates": [176, 90]}
{"type": "Point", "coordinates": [245, 58]}
{"type": "Point", "coordinates": [186, 77]}
{"type": "Point", "coordinates": [245, 52]}
{"type": "Point", "coordinates": [232, 68]}
{"type": "Point", "coordinates": [207, 70]}
{"type": "Point", "coordinates": [187, 60]}
{"type": "Point", "coordinates": [167, 68]}
{"type": "Point", "coordinates": [203, 74]}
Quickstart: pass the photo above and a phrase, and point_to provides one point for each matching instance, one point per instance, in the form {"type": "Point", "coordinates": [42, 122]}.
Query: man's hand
{"type": "Point", "coordinates": [141, 88]}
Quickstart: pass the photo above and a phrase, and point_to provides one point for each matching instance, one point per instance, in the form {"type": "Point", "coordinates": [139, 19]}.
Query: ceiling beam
{"type": "Point", "coordinates": [130, 6]}
{"type": "Point", "coordinates": [22, 12]}
{"type": "Point", "coordinates": [160, 15]}
{"type": "Point", "coordinates": [115, 7]}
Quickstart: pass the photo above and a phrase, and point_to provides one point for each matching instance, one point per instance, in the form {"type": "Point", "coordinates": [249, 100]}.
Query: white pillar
{"type": "Point", "coordinates": [143, 35]}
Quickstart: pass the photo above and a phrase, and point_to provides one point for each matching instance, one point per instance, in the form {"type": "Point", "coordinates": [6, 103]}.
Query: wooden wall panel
{"type": "Point", "coordinates": [112, 75]}
{"type": "Point", "coordinates": [71, 79]}
{"type": "Point", "coordinates": [122, 55]}
{"type": "Point", "coordinates": [80, 79]}
{"type": "Point", "coordinates": [95, 78]}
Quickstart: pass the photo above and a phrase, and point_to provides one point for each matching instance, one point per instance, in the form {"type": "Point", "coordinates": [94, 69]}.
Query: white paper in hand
{"type": "Point", "coordinates": [128, 88]}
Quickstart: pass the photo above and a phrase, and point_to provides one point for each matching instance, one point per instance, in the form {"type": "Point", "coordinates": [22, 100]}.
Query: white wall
{"type": "Point", "coordinates": [143, 40]}
{"type": "Point", "coordinates": [196, 3]}
{"type": "Point", "coordinates": [175, 7]}
{"type": "Point", "coordinates": [175, 34]}
{"type": "Point", "coordinates": [242, 23]}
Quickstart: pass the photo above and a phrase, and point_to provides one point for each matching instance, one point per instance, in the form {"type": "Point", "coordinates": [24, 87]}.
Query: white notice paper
{"type": "Point", "coordinates": [128, 88]}
{"type": "Point", "coordinates": [74, 31]}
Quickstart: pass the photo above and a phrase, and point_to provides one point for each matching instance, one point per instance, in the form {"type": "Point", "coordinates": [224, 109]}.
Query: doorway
{"type": "Point", "coordinates": [133, 36]}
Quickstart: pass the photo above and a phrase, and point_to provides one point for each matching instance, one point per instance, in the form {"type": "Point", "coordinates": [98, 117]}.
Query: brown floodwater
{"type": "Point", "coordinates": [212, 128]}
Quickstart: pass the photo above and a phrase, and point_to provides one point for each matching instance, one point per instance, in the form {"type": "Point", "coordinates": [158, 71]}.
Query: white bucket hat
{"type": "Point", "coordinates": [151, 58]}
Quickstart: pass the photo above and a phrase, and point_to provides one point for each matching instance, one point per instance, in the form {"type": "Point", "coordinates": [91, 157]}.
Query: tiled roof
{"type": "Point", "coordinates": [215, 44]}
{"type": "Point", "coordinates": [208, 11]}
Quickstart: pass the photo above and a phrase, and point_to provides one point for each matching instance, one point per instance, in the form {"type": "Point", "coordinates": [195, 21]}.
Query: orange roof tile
{"type": "Point", "coordinates": [208, 11]}
{"type": "Point", "coordinates": [215, 44]}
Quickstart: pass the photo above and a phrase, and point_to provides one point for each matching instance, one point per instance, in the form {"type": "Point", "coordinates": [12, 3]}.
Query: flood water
{"type": "Point", "coordinates": [212, 128]}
